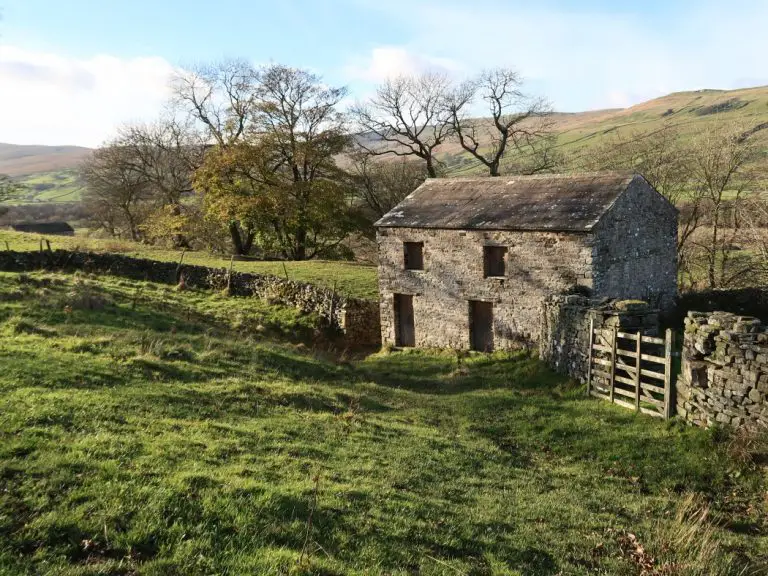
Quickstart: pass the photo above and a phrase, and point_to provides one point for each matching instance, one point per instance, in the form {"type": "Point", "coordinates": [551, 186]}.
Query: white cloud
{"type": "Point", "coordinates": [583, 59]}
{"type": "Point", "coordinates": [52, 99]}
{"type": "Point", "coordinates": [390, 61]}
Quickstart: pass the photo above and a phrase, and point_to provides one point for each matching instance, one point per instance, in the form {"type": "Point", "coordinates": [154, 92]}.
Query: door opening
{"type": "Point", "coordinates": [405, 332]}
{"type": "Point", "coordinates": [481, 326]}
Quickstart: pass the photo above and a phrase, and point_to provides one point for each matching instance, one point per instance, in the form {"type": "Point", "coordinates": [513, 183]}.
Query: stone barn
{"type": "Point", "coordinates": [467, 263]}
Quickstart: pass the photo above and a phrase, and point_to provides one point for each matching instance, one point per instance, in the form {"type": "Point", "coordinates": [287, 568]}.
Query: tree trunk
{"type": "Point", "coordinates": [132, 226]}
{"type": "Point", "coordinates": [301, 244]}
{"type": "Point", "coordinates": [713, 250]}
{"type": "Point", "coordinates": [179, 240]}
{"type": "Point", "coordinates": [248, 244]}
{"type": "Point", "coordinates": [237, 242]}
{"type": "Point", "coordinates": [494, 168]}
{"type": "Point", "coordinates": [431, 167]}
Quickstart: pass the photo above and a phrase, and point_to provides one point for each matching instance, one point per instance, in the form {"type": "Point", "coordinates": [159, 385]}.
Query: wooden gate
{"type": "Point", "coordinates": [631, 370]}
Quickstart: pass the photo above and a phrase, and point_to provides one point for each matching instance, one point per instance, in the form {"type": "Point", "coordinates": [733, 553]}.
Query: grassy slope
{"type": "Point", "coordinates": [350, 278]}
{"type": "Point", "coordinates": [57, 186]}
{"type": "Point", "coordinates": [580, 132]}
{"type": "Point", "coordinates": [180, 433]}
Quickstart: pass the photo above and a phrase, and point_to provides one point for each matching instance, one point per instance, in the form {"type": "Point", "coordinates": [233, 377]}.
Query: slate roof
{"type": "Point", "coordinates": [568, 203]}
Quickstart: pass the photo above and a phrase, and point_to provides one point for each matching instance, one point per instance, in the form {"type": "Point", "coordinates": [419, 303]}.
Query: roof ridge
{"type": "Point", "coordinates": [559, 175]}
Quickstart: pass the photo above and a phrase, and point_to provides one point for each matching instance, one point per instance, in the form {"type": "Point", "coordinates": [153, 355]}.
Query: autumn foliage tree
{"type": "Point", "coordinates": [279, 182]}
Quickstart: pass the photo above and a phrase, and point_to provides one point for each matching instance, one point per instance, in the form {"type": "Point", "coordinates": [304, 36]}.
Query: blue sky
{"type": "Point", "coordinates": [72, 70]}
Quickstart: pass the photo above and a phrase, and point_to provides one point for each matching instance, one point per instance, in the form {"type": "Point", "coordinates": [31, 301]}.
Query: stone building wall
{"type": "Point", "coordinates": [724, 376]}
{"type": "Point", "coordinates": [537, 264]}
{"type": "Point", "coordinates": [357, 319]}
{"type": "Point", "coordinates": [635, 249]}
{"type": "Point", "coordinates": [565, 322]}
{"type": "Point", "coordinates": [629, 254]}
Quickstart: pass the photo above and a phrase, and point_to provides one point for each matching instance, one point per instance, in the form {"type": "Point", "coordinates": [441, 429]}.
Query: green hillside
{"type": "Point", "coordinates": [57, 186]}
{"type": "Point", "coordinates": [691, 112]}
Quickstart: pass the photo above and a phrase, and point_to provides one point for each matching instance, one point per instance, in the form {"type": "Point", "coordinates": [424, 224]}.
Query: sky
{"type": "Point", "coordinates": [72, 71]}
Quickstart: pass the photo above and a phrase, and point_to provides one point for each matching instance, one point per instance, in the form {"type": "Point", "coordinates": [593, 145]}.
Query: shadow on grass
{"type": "Point", "coordinates": [441, 372]}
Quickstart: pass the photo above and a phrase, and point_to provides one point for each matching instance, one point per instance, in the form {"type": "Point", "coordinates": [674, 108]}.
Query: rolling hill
{"type": "Point", "coordinates": [17, 160]}
{"type": "Point", "coordinates": [691, 112]}
{"type": "Point", "coordinates": [49, 171]}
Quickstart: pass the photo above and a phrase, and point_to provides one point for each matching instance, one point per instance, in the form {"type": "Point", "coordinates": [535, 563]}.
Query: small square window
{"type": "Point", "coordinates": [493, 260]}
{"type": "Point", "coordinates": [413, 255]}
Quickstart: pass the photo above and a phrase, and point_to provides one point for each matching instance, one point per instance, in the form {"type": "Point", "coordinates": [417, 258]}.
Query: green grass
{"type": "Point", "coordinates": [57, 186]}
{"type": "Point", "coordinates": [149, 431]}
{"type": "Point", "coordinates": [350, 278]}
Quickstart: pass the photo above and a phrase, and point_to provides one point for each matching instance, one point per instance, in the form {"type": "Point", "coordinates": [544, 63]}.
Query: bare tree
{"type": "Point", "coordinates": [221, 97]}
{"type": "Point", "coordinates": [382, 184]}
{"type": "Point", "coordinates": [408, 116]}
{"type": "Point", "coordinates": [751, 266]}
{"type": "Point", "coordinates": [663, 158]}
{"type": "Point", "coordinates": [115, 191]}
{"type": "Point", "coordinates": [720, 163]}
{"type": "Point", "coordinates": [166, 153]}
{"type": "Point", "coordinates": [519, 124]}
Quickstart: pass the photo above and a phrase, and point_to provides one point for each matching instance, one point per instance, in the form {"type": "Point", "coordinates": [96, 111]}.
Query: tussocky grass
{"type": "Point", "coordinates": [145, 430]}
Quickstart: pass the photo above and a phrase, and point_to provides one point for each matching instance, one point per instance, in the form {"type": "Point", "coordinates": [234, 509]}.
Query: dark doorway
{"type": "Point", "coordinates": [481, 326]}
{"type": "Point", "coordinates": [405, 333]}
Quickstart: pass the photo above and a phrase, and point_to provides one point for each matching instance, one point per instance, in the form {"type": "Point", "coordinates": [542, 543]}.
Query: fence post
{"type": "Point", "coordinates": [638, 351]}
{"type": "Point", "coordinates": [613, 360]}
{"type": "Point", "coordinates": [668, 347]}
{"type": "Point", "coordinates": [589, 354]}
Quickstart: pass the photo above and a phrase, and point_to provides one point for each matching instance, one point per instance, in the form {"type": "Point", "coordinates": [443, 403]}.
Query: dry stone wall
{"type": "Point", "coordinates": [565, 322]}
{"type": "Point", "coordinates": [724, 376]}
{"type": "Point", "coordinates": [357, 319]}
{"type": "Point", "coordinates": [747, 301]}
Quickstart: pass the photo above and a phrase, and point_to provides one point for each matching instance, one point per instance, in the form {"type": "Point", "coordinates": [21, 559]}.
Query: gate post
{"type": "Point", "coordinates": [613, 360]}
{"type": "Point", "coordinates": [668, 346]}
{"type": "Point", "coordinates": [589, 354]}
{"type": "Point", "coordinates": [638, 367]}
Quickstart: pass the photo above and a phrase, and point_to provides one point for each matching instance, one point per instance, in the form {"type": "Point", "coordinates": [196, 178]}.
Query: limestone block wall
{"type": "Point", "coordinates": [537, 264]}
{"type": "Point", "coordinates": [565, 322]}
{"type": "Point", "coordinates": [635, 254]}
{"type": "Point", "coordinates": [724, 376]}
{"type": "Point", "coordinates": [357, 319]}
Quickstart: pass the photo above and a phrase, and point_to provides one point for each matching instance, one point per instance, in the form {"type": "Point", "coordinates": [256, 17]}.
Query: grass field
{"type": "Point", "coordinates": [149, 431]}
{"type": "Point", "coordinates": [57, 186]}
{"type": "Point", "coordinates": [350, 278]}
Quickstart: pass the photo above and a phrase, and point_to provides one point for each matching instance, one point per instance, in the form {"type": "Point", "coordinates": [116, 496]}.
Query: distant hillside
{"type": "Point", "coordinates": [691, 112]}
{"type": "Point", "coordinates": [49, 170]}
{"type": "Point", "coordinates": [16, 160]}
